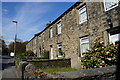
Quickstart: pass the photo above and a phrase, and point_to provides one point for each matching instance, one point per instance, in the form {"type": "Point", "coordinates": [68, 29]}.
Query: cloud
{"type": "Point", "coordinates": [5, 10]}
{"type": "Point", "coordinates": [8, 41]}
{"type": "Point", "coordinates": [30, 21]}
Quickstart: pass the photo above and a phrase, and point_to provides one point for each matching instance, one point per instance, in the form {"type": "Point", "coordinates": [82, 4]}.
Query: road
{"type": "Point", "coordinates": [8, 68]}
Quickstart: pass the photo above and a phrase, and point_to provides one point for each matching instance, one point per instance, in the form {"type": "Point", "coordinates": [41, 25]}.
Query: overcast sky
{"type": "Point", "coordinates": [31, 16]}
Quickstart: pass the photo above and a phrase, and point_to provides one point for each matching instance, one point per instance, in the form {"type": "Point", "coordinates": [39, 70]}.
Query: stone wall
{"type": "Point", "coordinates": [20, 67]}
{"type": "Point", "coordinates": [58, 63]}
{"type": "Point", "coordinates": [105, 73]}
{"type": "Point", "coordinates": [24, 68]}
{"type": "Point", "coordinates": [95, 26]}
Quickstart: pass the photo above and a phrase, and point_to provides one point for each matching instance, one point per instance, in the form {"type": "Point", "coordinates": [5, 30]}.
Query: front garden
{"type": "Point", "coordinates": [99, 55]}
{"type": "Point", "coordinates": [54, 71]}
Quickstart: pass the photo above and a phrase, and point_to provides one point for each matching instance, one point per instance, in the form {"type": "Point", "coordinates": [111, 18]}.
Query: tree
{"type": "Point", "coordinates": [26, 42]}
{"type": "Point", "coordinates": [11, 47]}
{"type": "Point", "coordinates": [20, 47]}
{"type": "Point", "coordinates": [4, 48]}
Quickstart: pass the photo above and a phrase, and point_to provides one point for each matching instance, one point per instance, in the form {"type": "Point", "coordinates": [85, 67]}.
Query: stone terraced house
{"type": "Point", "coordinates": [76, 28]}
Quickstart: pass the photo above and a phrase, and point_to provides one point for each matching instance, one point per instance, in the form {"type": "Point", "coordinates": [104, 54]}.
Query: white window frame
{"type": "Point", "coordinates": [59, 28]}
{"type": "Point", "coordinates": [83, 43]}
{"type": "Point", "coordinates": [51, 53]}
{"type": "Point", "coordinates": [59, 46]}
{"type": "Point", "coordinates": [81, 12]}
{"type": "Point", "coordinates": [51, 32]}
{"type": "Point", "coordinates": [111, 7]}
{"type": "Point", "coordinates": [110, 40]}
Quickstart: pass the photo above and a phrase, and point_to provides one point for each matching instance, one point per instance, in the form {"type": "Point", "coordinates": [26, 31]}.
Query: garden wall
{"type": "Point", "coordinates": [51, 63]}
{"type": "Point", "coordinates": [105, 73]}
{"type": "Point", "coordinates": [39, 64]}
{"type": "Point", "coordinates": [20, 67]}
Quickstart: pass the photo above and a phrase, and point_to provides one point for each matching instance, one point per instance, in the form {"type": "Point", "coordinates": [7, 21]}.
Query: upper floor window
{"type": "Point", "coordinates": [51, 33]}
{"type": "Point", "coordinates": [109, 4]}
{"type": "Point", "coordinates": [83, 14]}
{"type": "Point", "coordinates": [59, 28]}
{"type": "Point", "coordinates": [84, 45]}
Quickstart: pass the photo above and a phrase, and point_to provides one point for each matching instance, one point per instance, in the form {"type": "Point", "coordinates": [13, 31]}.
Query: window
{"type": "Point", "coordinates": [84, 45]}
{"type": "Point", "coordinates": [114, 36]}
{"type": "Point", "coordinates": [59, 50]}
{"type": "Point", "coordinates": [83, 14]}
{"type": "Point", "coordinates": [51, 33]}
{"type": "Point", "coordinates": [59, 28]}
{"type": "Point", "coordinates": [109, 4]}
{"type": "Point", "coordinates": [40, 51]}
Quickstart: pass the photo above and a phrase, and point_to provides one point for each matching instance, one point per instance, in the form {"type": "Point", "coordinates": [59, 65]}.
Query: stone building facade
{"type": "Point", "coordinates": [76, 28]}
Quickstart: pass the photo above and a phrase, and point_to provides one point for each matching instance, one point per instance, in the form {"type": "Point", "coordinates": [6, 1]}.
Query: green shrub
{"type": "Point", "coordinates": [20, 57]}
{"type": "Point", "coordinates": [25, 56]}
{"type": "Point", "coordinates": [61, 58]}
{"type": "Point", "coordinates": [36, 58]}
{"type": "Point", "coordinates": [29, 53]}
{"type": "Point", "coordinates": [45, 55]}
{"type": "Point", "coordinates": [100, 55]}
{"type": "Point", "coordinates": [62, 53]}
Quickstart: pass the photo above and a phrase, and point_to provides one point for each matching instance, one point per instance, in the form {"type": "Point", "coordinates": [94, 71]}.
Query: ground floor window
{"type": "Point", "coordinates": [114, 37]}
{"type": "Point", "coordinates": [59, 50]}
{"type": "Point", "coordinates": [84, 45]}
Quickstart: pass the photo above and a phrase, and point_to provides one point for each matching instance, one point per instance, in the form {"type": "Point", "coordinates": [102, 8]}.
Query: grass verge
{"type": "Point", "coordinates": [55, 70]}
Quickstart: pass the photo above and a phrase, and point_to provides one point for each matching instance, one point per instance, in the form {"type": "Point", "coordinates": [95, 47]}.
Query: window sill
{"type": "Point", "coordinates": [58, 34]}
{"type": "Point", "coordinates": [60, 56]}
{"type": "Point", "coordinates": [106, 10]}
{"type": "Point", "coordinates": [83, 22]}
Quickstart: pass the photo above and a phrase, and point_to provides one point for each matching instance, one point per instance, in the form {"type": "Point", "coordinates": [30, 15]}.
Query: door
{"type": "Point", "coordinates": [51, 52]}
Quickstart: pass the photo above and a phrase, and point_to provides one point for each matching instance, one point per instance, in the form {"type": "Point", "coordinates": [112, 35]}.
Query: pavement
{"type": "Point", "coordinates": [8, 70]}
{"type": "Point", "coordinates": [0, 68]}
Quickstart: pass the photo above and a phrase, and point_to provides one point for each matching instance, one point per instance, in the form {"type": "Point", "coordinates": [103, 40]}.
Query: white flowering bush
{"type": "Point", "coordinates": [100, 55]}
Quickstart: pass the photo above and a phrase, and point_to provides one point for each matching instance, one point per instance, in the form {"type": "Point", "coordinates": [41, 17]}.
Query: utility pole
{"type": "Point", "coordinates": [15, 37]}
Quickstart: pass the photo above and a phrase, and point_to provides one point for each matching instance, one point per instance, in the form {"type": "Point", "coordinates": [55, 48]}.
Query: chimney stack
{"type": "Point", "coordinates": [48, 23]}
